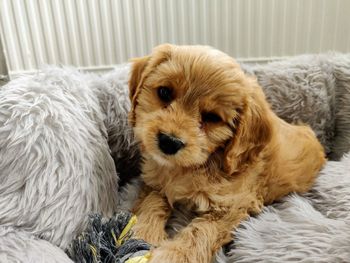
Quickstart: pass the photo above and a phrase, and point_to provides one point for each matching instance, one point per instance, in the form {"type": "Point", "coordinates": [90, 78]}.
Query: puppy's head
{"type": "Point", "coordinates": [189, 102]}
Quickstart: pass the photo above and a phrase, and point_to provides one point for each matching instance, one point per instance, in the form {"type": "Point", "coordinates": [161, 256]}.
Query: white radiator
{"type": "Point", "coordinates": [96, 34]}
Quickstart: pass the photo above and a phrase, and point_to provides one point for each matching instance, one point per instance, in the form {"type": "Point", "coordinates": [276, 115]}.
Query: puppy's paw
{"type": "Point", "coordinates": [152, 236]}
{"type": "Point", "coordinates": [169, 254]}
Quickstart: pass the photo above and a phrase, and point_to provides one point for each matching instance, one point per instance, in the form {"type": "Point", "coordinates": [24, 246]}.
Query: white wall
{"type": "Point", "coordinates": [96, 34]}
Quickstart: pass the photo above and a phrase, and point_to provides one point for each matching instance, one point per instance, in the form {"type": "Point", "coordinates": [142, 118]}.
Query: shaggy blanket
{"type": "Point", "coordinates": [314, 227]}
{"type": "Point", "coordinates": [63, 136]}
{"type": "Point", "coordinates": [60, 128]}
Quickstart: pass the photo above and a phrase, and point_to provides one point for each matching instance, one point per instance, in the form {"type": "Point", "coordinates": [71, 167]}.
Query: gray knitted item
{"type": "Point", "coordinates": [98, 243]}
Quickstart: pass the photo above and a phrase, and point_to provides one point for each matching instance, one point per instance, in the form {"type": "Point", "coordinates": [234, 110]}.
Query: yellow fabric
{"type": "Point", "coordinates": [115, 238]}
{"type": "Point", "coordinates": [94, 252]}
{"type": "Point", "coordinates": [140, 259]}
{"type": "Point", "coordinates": [127, 228]}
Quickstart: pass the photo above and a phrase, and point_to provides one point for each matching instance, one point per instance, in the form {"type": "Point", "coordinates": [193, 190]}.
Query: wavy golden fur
{"type": "Point", "coordinates": [236, 154]}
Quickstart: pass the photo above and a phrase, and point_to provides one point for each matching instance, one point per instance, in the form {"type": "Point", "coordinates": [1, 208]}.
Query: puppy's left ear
{"type": "Point", "coordinates": [253, 131]}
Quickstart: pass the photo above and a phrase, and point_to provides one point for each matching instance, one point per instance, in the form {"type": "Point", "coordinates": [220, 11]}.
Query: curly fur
{"type": "Point", "coordinates": [313, 227]}
{"type": "Point", "coordinates": [230, 165]}
{"type": "Point", "coordinates": [261, 239]}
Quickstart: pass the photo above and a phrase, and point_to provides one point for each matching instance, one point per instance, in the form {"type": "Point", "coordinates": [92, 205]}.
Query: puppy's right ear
{"type": "Point", "coordinates": [140, 69]}
{"type": "Point", "coordinates": [253, 131]}
{"type": "Point", "coordinates": [138, 66]}
{"type": "Point", "coordinates": [135, 82]}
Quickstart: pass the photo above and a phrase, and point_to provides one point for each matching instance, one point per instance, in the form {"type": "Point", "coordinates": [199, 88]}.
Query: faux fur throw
{"type": "Point", "coordinates": [62, 135]}
{"type": "Point", "coordinates": [310, 228]}
{"type": "Point", "coordinates": [64, 140]}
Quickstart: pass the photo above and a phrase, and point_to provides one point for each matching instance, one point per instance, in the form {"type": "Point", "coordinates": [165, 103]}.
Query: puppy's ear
{"type": "Point", "coordinates": [138, 67]}
{"type": "Point", "coordinates": [253, 132]}
{"type": "Point", "coordinates": [141, 67]}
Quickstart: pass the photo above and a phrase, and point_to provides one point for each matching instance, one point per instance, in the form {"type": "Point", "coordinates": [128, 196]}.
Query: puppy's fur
{"type": "Point", "coordinates": [232, 163]}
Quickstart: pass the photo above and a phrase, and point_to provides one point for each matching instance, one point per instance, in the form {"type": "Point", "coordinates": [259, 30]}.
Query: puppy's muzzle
{"type": "Point", "coordinates": [169, 144]}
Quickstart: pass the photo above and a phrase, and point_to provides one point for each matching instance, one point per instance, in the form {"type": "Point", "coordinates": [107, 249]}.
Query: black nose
{"type": "Point", "coordinates": [169, 144]}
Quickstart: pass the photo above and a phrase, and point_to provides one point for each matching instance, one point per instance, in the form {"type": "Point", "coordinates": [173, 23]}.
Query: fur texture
{"type": "Point", "coordinates": [56, 165]}
{"type": "Point", "coordinates": [232, 153]}
{"type": "Point", "coordinates": [312, 228]}
{"type": "Point", "coordinates": [19, 246]}
{"type": "Point", "coordinates": [312, 89]}
{"type": "Point", "coordinates": [280, 81]}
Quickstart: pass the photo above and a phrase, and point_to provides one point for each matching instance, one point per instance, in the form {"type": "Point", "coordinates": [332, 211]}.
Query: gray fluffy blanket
{"type": "Point", "coordinates": [310, 228]}
{"type": "Point", "coordinates": [314, 227]}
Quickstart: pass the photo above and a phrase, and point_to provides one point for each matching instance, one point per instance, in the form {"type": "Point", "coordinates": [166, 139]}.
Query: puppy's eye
{"type": "Point", "coordinates": [165, 94]}
{"type": "Point", "coordinates": [210, 117]}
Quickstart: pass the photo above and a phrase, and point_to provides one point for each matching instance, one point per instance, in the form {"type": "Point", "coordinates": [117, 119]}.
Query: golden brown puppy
{"type": "Point", "coordinates": [210, 141]}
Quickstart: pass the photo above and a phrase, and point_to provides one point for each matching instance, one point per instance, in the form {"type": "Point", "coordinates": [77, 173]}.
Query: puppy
{"type": "Point", "coordinates": [210, 141]}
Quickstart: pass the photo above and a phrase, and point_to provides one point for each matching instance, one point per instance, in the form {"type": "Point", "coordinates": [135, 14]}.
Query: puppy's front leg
{"type": "Point", "coordinates": [152, 211]}
{"type": "Point", "coordinates": [199, 241]}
